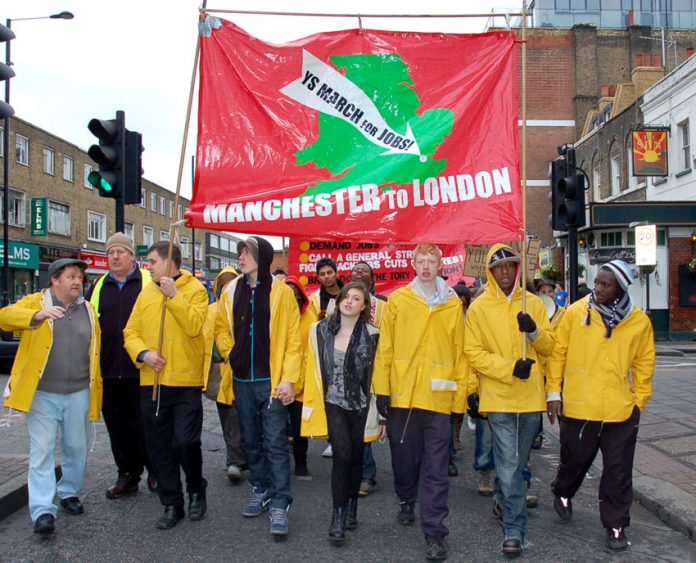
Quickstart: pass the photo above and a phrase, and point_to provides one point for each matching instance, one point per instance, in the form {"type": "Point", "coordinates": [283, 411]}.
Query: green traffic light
{"type": "Point", "coordinates": [97, 180]}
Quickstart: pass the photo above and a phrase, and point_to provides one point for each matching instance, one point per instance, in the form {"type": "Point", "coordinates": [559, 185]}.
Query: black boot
{"type": "Point", "coordinates": [197, 503]}
{"type": "Point", "coordinates": [352, 514]}
{"type": "Point", "coordinates": [337, 531]}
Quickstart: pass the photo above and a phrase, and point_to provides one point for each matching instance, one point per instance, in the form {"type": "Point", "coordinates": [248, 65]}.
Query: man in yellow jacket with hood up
{"type": "Point", "coordinates": [420, 379]}
{"type": "Point", "coordinates": [603, 363]}
{"type": "Point", "coordinates": [258, 329]}
{"type": "Point", "coordinates": [511, 389]}
{"type": "Point", "coordinates": [174, 421]}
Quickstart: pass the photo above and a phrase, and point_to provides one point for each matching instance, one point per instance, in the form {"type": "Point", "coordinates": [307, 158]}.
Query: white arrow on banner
{"type": "Point", "coordinates": [324, 89]}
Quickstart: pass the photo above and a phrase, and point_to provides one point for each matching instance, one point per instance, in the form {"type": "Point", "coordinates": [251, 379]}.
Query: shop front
{"type": "Point", "coordinates": [24, 264]}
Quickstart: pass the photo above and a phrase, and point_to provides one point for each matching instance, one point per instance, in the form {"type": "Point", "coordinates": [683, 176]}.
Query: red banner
{"type": "Point", "coordinates": [390, 263]}
{"type": "Point", "coordinates": [372, 135]}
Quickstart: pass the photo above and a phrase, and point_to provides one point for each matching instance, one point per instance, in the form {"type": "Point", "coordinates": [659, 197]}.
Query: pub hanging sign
{"type": "Point", "coordinates": [650, 152]}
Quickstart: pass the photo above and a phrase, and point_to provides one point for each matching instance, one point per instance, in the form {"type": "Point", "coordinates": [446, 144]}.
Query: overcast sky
{"type": "Point", "coordinates": [137, 56]}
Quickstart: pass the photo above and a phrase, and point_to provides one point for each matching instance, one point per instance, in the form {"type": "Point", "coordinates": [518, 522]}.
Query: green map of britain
{"type": "Point", "coordinates": [353, 159]}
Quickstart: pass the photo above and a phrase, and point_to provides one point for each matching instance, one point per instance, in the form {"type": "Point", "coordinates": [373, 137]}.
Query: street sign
{"type": "Point", "coordinates": [141, 250]}
{"type": "Point", "coordinates": [39, 216]}
{"type": "Point", "coordinates": [646, 245]}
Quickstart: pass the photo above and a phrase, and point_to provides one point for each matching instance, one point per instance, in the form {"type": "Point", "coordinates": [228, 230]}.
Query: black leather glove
{"type": "Point", "coordinates": [523, 368]}
{"type": "Point", "coordinates": [383, 405]}
{"type": "Point", "coordinates": [472, 402]}
{"type": "Point", "coordinates": [526, 323]}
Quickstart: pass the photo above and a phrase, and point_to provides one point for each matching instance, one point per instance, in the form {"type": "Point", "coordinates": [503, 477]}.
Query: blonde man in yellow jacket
{"type": "Point", "coordinates": [420, 379]}
{"type": "Point", "coordinates": [56, 380]}
{"type": "Point", "coordinates": [257, 328]}
{"type": "Point", "coordinates": [511, 389]}
{"type": "Point", "coordinates": [217, 384]}
{"type": "Point", "coordinates": [173, 422]}
{"type": "Point", "coordinates": [602, 364]}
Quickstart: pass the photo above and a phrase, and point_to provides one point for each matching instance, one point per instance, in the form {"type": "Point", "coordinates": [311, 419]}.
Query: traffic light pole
{"type": "Point", "coordinates": [6, 186]}
{"type": "Point", "coordinates": [120, 215]}
{"type": "Point", "coordinates": [573, 263]}
{"type": "Point", "coordinates": [572, 236]}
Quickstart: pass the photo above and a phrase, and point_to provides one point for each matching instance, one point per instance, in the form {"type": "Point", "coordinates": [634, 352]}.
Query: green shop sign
{"type": "Point", "coordinates": [39, 216]}
{"type": "Point", "coordinates": [22, 255]}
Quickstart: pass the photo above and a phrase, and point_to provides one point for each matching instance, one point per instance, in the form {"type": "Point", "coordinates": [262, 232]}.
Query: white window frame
{"type": "Point", "coordinates": [21, 149]}
{"type": "Point", "coordinates": [233, 246]}
{"type": "Point", "coordinates": [615, 171]}
{"type": "Point", "coordinates": [18, 208]}
{"type": "Point", "coordinates": [68, 168]}
{"type": "Point", "coordinates": [185, 247]}
{"type": "Point", "coordinates": [48, 158]}
{"type": "Point", "coordinates": [148, 236]}
{"type": "Point", "coordinates": [58, 225]}
{"type": "Point", "coordinates": [2, 142]}
{"type": "Point", "coordinates": [171, 209]}
{"type": "Point", "coordinates": [143, 199]}
{"type": "Point", "coordinates": [214, 263]}
{"type": "Point", "coordinates": [224, 244]}
{"type": "Point", "coordinates": [164, 235]}
{"type": "Point", "coordinates": [129, 229]}
{"type": "Point", "coordinates": [198, 251]}
{"type": "Point", "coordinates": [88, 169]}
{"type": "Point", "coordinates": [180, 213]}
{"type": "Point", "coordinates": [163, 205]}
{"type": "Point", "coordinates": [214, 241]}
{"type": "Point", "coordinates": [683, 134]}
{"type": "Point", "coordinates": [96, 226]}
{"type": "Point", "coordinates": [153, 202]}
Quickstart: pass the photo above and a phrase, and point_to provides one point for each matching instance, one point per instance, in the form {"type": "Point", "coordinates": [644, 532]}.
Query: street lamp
{"type": "Point", "coordinates": [6, 171]}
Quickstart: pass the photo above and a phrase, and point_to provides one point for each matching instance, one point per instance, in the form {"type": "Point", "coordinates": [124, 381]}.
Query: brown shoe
{"type": "Point", "coordinates": [486, 478]}
{"type": "Point", "coordinates": [126, 485]}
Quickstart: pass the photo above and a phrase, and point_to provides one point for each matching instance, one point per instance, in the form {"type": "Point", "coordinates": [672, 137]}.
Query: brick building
{"type": "Point", "coordinates": [569, 73]}
{"type": "Point", "coordinates": [50, 174]}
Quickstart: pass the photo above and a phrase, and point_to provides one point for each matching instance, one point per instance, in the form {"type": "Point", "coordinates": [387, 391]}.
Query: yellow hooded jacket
{"type": "Point", "coordinates": [286, 358]}
{"type": "Point", "coordinates": [225, 394]}
{"type": "Point", "coordinates": [602, 379]}
{"type": "Point", "coordinates": [183, 345]}
{"type": "Point", "coordinates": [34, 348]}
{"type": "Point", "coordinates": [494, 344]}
{"type": "Point", "coordinates": [420, 357]}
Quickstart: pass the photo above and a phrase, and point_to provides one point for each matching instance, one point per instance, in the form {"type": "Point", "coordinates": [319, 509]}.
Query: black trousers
{"type": "Point", "coordinates": [580, 441]}
{"type": "Point", "coordinates": [124, 422]}
{"type": "Point", "coordinates": [173, 436]}
{"type": "Point", "coordinates": [347, 433]}
{"type": "Point", "coordinates": [299, 444]}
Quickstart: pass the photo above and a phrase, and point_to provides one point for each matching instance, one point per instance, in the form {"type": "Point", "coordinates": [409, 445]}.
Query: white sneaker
{"type": "Point", "coordinates": [328, 452]}
{"type": "Point", "coordinates": [234, 473]}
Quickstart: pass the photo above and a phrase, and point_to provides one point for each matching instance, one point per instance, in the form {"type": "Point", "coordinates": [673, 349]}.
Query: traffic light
{"type": "Point", "coordinates": [572, 210]}
{"type": "Point", "coordinates": [6, 72]}
{"type": "Point", "coordinates": [109, 154]}
{"type": "Point", "coordinates": [133, 167]}
{"type": "Point", "coordinates": [559, 169]}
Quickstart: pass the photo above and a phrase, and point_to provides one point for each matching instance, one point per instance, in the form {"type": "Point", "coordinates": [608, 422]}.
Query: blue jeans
{"type": "Point", "coordinates": [264, 429]}
{"type": "Point", "coordinates": [48, 412]}
{"type": "Point", "coordinates": [512, 435]}
{"type": "Point", "coordinates": [369, 471]}
{"type": "Point", "coordinates": [483, 450]}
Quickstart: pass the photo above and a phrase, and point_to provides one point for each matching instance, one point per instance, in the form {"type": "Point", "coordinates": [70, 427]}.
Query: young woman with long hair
{"type": "Point", "coordinates": [338, 376]}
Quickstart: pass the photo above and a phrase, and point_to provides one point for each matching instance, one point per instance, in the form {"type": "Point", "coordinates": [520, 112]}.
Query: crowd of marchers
{"type": "Point", "coordinates": [342, 365]}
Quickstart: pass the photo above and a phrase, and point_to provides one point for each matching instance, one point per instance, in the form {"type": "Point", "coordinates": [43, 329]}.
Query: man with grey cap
{"type": "Point", "coordinates": [56, 380]}
{"type": "Point", "coordinates": [600, 380]}
{"type": "Point", "coordinates": [113, 296]}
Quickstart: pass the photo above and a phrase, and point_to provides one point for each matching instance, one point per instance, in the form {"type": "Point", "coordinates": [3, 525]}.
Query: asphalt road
{"type": "Point", "coordinates": [124, 530]}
